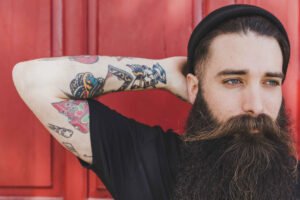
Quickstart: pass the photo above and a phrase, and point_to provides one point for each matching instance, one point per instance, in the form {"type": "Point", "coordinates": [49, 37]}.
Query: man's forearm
{"type": "Point", "coordinates": [83, 77]}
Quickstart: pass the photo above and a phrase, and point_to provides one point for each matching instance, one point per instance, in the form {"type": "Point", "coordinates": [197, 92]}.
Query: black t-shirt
{"type": "Point", "coordinates": [133, 160]}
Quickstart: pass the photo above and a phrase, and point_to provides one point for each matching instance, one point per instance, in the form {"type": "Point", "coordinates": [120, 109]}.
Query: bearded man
{"type": "Point", "coordinates": [238, 142]}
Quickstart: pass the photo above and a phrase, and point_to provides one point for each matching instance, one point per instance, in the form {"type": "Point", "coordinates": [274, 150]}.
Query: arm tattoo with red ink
{"type": "Point", "coordinates": [77, 112]}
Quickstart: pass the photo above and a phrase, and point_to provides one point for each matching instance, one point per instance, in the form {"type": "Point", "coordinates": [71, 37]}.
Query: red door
{"type": "Point", "coordinates": [32, 163]}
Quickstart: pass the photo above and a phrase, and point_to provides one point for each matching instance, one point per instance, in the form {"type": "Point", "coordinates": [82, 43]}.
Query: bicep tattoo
{"type": "Point", "coordinates": [67, 133]}
{"type": "Point", "coordinates": [77, 112]}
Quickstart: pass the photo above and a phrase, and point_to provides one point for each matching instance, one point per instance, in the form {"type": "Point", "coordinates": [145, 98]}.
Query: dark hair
{"type": "Point", "coordinates": [257, 24]}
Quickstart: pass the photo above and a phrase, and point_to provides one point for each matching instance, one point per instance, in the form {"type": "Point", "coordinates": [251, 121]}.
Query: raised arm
{"type": "Point", "coordinates": [55, 90]}
{"type": "Point", "coordinates": [83, 77]}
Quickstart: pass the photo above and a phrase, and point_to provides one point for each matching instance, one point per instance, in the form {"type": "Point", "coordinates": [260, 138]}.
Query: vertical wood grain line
{"type": "Point", "coordinates": [197, 11]}
{"type": "Point", "coordinates": [92, 28]}
{"type": "Point", "coordinates": [57, 28]}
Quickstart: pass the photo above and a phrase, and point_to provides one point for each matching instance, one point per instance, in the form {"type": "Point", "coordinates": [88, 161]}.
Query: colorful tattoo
{"type": "Point", "coordinates": [67, 133]}
{"type": "Point", "coordinates": [85, 59]}
{"type": "Point", "coordinates": [85, 85]}
{"type": "Point", "coordinates": [77, 112]}
{"type": "Point", "coordinates": [147, 77]}
{"type": "Point", "coordinates": [121, 75]}
{"type": "Point", "coordinates": [70, 147]}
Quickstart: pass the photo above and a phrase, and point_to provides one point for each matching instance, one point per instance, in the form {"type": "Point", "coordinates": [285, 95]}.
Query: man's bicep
{"type": "Point", "coordinates": [66, 120]}
{"type": "Point", "coordinates": [71, 126]}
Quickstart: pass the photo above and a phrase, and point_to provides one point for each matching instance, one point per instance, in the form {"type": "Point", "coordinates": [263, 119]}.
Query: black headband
{"type": "Point", "coordinates": [223, 14]}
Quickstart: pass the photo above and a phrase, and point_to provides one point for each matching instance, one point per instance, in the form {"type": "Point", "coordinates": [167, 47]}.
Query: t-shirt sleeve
{"type": "Point", "coordinates": [117, 142]}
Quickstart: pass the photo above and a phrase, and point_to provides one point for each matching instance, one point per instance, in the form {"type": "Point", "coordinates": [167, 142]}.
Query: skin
{"type": "Point", "coordinates": [243, 79]}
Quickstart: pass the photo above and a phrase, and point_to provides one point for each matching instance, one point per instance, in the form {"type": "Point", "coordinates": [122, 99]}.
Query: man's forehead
{"type": "Point", "coordinates": [245, 52]}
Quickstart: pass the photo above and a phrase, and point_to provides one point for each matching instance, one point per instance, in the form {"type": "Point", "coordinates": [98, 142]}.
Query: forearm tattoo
{"type": "Point", "coordinates": [85, 59]}
{"type": "Point", "coordinates": [67, 133]}
{"type": "Point", "coordinates": [85, 85]}
{"type": "Point", "coordinates": [70, 147]}
{"type": "Point", "coordinates": [121, 75]}
{"type": "Point", "coordinates": [77, 112]}
{"type": "Point", "coordinates": [146, 77]}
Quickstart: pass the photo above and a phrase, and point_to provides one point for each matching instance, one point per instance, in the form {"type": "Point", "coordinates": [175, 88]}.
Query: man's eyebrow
{"type": "Point", "coordinates": [275, 74]}
{"type": "Point", "coordinates": [232, 72]}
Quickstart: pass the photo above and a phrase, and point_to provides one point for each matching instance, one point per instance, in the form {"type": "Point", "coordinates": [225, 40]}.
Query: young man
{"type": "Point", "coordinates": [237, 143]}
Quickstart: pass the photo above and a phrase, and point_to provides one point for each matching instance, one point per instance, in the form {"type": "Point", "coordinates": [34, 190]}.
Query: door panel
{"type": "Point", "coordinates": [25, 33]}
{"type": "Point", "coordinates": [27, 151]}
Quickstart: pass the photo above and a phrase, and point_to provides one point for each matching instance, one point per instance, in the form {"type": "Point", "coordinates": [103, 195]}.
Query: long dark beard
{"type": "Point", "coordinates": [244, 158]}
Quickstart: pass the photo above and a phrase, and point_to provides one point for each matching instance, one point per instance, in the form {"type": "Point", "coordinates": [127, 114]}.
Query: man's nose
{"type": "Point", "coordinates": [252, 101]}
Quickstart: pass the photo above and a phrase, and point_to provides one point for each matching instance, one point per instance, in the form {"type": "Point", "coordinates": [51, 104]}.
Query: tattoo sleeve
{"type": "Point", "coordinates": [128, 77]}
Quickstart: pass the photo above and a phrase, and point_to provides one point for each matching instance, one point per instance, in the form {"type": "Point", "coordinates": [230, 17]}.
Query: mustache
{"type": "Point", "coordinates": [259, 129]}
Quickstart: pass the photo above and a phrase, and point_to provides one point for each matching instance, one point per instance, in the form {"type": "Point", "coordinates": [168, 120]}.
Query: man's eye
{"type": "Point", "coordinates": [232, 82]}
{"type": "Point", "coordinates": [272, 83]}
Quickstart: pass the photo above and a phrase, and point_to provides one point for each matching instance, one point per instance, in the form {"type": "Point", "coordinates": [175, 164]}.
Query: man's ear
{"type": "Point", "coordinates": [192, 87]}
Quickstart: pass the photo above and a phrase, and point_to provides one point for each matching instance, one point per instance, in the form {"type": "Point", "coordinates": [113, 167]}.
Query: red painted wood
{"type": "Point", "coordinates": [75, 27]}
{"type": "Point", "coordinates": [26, 146]}
{"type": "Point", "coordinates": [210, 5]}
{"type": "Point", "coordinates": [92, 26]}
{"type": "Point", "coordinates": [177, 18]}
{"type": "Point", "coordinates": [30, 162]}
{"type": "Point", "coordinates": [57, 28]}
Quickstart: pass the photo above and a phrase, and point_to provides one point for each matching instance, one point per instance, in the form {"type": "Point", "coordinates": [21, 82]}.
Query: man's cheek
{"type": "Point", "coordinates": [221, 106]}
{"type": "Point", "coordinates": [272, 106]}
